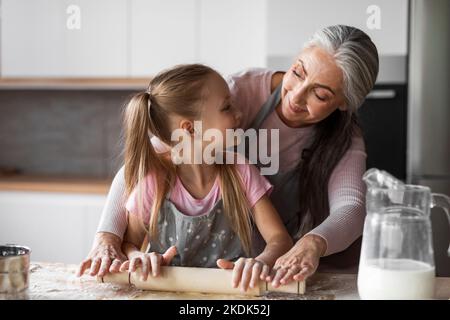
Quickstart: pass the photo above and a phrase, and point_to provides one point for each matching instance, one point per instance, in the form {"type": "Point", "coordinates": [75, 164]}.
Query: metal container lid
{"type": "Point", "coordinates": [14, 258]}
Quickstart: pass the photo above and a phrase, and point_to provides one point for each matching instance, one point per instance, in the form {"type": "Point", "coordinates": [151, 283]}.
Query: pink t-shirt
{"type": "Point", "coordinates": [254, 184]}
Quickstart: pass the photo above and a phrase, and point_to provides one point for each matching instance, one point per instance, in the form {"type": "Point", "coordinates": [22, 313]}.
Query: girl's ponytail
{"type": "Point", "coordinates": [141, 158]}
{"type": "Point", "coordinates": [236, 204]}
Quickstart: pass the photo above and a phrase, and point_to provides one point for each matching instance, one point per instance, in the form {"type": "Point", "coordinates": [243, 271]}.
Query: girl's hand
{"type": "Point", "coordinates": [106, 255]}
{"type": "Point", "coordinates": [149, 262]}
{"type": "Point", "coordinates": [246, 271]}
{"type": "Point", "coordinates": [300, 262]}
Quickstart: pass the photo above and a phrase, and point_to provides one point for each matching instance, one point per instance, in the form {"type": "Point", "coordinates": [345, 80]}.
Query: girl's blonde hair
{"type": "Point", "coordinates": [176, 91]}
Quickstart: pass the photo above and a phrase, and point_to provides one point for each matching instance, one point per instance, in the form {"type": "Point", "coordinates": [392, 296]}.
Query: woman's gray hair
{"type": "Point", "coordinates": [355, 54]}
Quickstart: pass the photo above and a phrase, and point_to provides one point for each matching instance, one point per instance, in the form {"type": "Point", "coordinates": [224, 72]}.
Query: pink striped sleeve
{"type": "Point", "coordinates": [346, 192]}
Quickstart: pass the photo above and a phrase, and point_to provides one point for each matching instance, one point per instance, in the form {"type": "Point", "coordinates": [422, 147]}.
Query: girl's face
{"type": "Point", "coordinates": [311, 89]}
{"type": "Point", "coordinates": [217, 112]}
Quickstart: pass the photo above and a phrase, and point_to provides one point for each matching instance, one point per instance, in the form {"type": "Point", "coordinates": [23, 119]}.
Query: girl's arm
{"type": "Point", "coordinates": [247, 272]}
{"type": "Point", "coordinates": [132, 242]}
{"type": "Point", "coordinates": [134, 235]}
{"type": "Point", "coordinates": [272, 229]}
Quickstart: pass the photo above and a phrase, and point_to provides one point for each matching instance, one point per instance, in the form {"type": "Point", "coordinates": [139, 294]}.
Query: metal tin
{"type": "Point", "coordinates": [14, 268]}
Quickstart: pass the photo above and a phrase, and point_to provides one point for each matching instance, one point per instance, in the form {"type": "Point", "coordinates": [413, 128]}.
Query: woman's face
{"type": "Point", "coordinates": [312, 89]}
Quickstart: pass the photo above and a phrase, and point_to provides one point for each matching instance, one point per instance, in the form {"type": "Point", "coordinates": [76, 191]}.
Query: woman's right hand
{"type": "Point", "coordinates": [300, 262]}
{"type": "Point", "coordinates": [106, 255]}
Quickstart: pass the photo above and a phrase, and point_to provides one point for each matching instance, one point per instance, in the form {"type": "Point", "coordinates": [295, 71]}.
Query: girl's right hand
{"type": "Point", "coordinates": [247, 272]}
{"type": "Point", "coordinates": [149, 262]}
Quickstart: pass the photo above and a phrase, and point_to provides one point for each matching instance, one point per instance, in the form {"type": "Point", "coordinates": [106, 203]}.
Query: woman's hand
{"type": "Point", "coordinates": [247, 272]}
{"type": "Point", "coordinates": [300, 262]}
{"type": "Point", "coordinates": [106, 255]}
{"type": "Point", "coordinates": [149, 262]}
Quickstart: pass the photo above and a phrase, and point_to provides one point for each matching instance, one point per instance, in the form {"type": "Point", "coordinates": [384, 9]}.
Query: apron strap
{"type": "Point", "coordinates": [267, 108]}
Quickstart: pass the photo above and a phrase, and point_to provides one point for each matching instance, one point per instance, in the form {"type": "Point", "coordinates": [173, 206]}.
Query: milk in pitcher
{"type": "Point", "coordinates": [395, 279]}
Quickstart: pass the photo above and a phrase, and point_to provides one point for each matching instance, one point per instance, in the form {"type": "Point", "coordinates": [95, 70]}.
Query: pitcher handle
{"type": "Point", "coordinates": [442, 201]}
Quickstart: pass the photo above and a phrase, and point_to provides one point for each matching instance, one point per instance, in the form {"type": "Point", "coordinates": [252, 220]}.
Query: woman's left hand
{"type": "Point", "coordinates": [247, 272]}
{"type": "Point", "coordinates": [300, 262]}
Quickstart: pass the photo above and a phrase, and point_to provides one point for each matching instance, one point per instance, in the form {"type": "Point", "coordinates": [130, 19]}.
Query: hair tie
{"type": "Point", "coordinates": [149, 102]}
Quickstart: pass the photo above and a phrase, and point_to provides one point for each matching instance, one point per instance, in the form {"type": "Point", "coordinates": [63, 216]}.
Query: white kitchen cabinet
{"type": "Point", "coordinates": [232, 34]}
{"type": "Point", "coordinates": [36, 40]}
{"type": "Point", "coordinates": [57, 227]}
{"type": "Point", "coordinates": [163, 33]}
{"type": "Point", "coordinates": [292, 22]}
{"type": "Point", "coordinates": [138, 38]}
{"type": "Point", "coordinates": [226, 35]}
{"type": "Point", "coordinates": [122, 38]}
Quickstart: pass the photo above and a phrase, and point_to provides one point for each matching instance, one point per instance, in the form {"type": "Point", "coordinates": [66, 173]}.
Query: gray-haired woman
{"type": "Point", "coordinates": [318, 190]}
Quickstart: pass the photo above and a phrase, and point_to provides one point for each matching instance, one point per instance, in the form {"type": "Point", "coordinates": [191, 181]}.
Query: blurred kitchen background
{"type": "Point", "coordinates": [67, 68]}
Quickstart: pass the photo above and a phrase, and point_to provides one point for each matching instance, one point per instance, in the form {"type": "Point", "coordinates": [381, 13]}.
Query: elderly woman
{"type": "Point", "coordinates": [318, 191]}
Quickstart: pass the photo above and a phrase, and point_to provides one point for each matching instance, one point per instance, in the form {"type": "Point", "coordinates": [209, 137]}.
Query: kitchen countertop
{"type": "Point", "coordinates": [58, 281]}
{"type": "Point", "coordinates": [54, 184]}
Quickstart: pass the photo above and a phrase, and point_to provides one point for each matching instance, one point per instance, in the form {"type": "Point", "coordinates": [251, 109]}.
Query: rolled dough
{"type": "Point", "coordinates": [204, 280]}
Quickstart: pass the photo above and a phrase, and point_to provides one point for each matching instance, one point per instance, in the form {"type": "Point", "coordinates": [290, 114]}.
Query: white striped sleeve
{"type": "Point", "coordinates": [114, 218]}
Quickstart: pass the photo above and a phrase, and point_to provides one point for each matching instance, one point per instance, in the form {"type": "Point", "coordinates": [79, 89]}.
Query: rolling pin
{"type": "Point", "coordinates": [201, 280]}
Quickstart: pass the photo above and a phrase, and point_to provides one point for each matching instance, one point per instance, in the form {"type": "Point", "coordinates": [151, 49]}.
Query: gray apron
{"type": "Point", "coordinates": [285, 193]}
{"type": "Point", "coordinates": [200, 240]}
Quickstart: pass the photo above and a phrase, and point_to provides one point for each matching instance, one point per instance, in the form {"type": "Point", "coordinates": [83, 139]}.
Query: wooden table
{"type": "Point", "coordinates": [58, 281]}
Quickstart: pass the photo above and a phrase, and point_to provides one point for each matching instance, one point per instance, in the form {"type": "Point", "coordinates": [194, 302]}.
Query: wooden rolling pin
{"type": "Point", "coordinates": [202, 280]}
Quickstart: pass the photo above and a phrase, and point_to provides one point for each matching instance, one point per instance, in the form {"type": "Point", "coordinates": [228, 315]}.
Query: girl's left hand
{"type": "Point", "coordinates": [247, 272]}
{"type": "Point", "coordinates": [149, 262]}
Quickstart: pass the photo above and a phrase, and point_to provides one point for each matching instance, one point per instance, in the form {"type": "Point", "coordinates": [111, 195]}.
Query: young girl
{"type": "Point", "coordinates": [197, 215]}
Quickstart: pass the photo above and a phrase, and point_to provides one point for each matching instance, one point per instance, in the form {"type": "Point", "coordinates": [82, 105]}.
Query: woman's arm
{"type": "Point", "coordinates": [113, 219]}
{"type": "Point", "coordinates": [106, 254]}
{"type": "Point", "coordinates": [343, 226]}
{"type": "Point", "coordinates": [346, 193]}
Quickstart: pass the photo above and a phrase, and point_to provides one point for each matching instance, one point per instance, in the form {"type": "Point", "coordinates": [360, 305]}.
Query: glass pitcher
{"type": "Point", "coordinates": [397, 258]}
